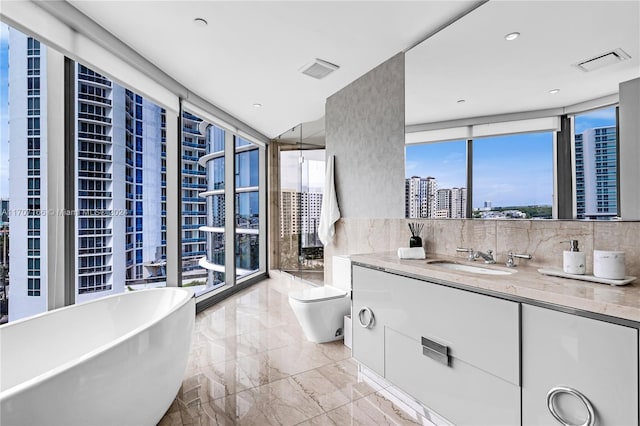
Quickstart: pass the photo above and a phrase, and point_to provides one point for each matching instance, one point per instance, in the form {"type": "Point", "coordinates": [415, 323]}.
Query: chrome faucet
{"type": "Point", "coordinates": [511, 261]}
{"type": "Point", "coordinates": [488, 256]}
{"type": "Point", "coordinates": [471, 257]}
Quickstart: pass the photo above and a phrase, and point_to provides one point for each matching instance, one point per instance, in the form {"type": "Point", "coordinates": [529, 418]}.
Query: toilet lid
{"type": "Point", "coordinates": [317, 294]}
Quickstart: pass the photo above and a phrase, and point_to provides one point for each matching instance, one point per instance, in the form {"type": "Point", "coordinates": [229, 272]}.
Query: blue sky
{"type": "Point", "coordinates": [4, 111]}
{"type": "Point", "coordinates": [514, 170]}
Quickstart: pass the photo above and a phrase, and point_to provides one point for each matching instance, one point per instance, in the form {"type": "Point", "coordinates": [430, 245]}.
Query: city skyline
{"type": "Point", "coordinates": [498, 177]}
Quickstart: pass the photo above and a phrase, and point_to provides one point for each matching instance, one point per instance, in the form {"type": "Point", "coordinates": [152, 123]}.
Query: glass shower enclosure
{"type": "Point", "coordinates": [302, 174]}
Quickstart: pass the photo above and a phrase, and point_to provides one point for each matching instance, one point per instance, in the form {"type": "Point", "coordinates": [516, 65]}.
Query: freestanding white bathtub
{"type": "Point", "coordinates": [119, 360]}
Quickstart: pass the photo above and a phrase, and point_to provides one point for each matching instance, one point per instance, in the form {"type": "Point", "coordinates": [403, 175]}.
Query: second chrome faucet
{"type": "Point", "coordinates": [473, 255]}
{"type": "Point", "coordinates": [488, 256]}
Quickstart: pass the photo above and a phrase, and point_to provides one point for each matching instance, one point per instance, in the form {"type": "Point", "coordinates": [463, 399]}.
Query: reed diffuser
{"type": "Point", "coordinates": [416, 230]}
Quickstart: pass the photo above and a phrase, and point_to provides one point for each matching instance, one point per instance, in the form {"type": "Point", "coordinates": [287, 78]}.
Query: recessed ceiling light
{"type": "Point", "coordinates": [460, 101]}
{"type": "Point", "coordinates": [201, 22]}
{"type": "Point", "coordinates": [554, 91]}
{"type": "Point", "coordinates": [512, 36]}
{"type": "Point", "coordinates": [257, 105]}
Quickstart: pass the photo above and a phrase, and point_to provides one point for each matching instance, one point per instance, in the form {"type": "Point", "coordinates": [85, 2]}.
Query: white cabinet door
{"type": "Point", "coordinates": [596, 358]}
{"type": "Point", "coordinates": [457, 391]}
{"type": "Point", "coordinates": [371, 306]}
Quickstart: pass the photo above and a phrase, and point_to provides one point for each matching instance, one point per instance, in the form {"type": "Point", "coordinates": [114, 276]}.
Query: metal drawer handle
{"type": "Point", "coordinates": [435, 351]}
{"type": "Point", "coordinates": [551, 403]}
{"type": "Point", "coordinates": [362, 316]}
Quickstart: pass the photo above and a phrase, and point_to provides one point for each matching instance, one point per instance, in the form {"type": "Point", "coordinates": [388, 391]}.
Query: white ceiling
{"type": "Point", "coordinates": [471, 60]}
{"type": "Point", "coordinates": [251, 52]}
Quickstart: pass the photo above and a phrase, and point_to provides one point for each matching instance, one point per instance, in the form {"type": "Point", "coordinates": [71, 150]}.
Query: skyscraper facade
{"type": "Point", "coordinates": [27, 185]}
{"type": "Point", "coordinates": [458, 203]}
{"type": "Point", "coordinates": [596, 173]}
{"type": "Point", "coordinates": [444, 203]}
{"type": "Point", "coordinates": [194, 181]}
{"type": "Point", "coordinates": [424, 199]}
{"type": "Point", "coordinates": [299, 212]}
{"type": "Point", "coordinates": [421, 197]}
{"type": "Point", "coordinates": [120, 207]}
{"type": "Point", "coordinates": [119, 181]}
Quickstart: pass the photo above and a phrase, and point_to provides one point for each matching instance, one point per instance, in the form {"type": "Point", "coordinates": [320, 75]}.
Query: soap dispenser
{"type": "Point", "coordinates": [573, 260]}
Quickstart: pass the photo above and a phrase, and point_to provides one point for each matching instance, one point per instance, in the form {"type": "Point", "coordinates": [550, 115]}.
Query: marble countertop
{"type": "Point", "coordinates": [526, 282]}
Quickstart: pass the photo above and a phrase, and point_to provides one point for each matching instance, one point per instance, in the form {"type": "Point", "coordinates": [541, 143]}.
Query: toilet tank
{"type": "Point", "coordinates": [342, 272]}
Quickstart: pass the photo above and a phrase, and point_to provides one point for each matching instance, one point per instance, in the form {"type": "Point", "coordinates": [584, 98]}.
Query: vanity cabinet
{"type": "Point", "coordinates": [476, 359]}
{"type": "Point", "coordinates": [574, 358]}
{"type": "Point", "coordinates": [446, 347]}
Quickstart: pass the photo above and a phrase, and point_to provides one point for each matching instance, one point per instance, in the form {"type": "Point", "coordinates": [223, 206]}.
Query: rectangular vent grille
{"type": "Point", "coordinates": [318, 69]}
{"type": "Point", "coordinates": [603, 60]}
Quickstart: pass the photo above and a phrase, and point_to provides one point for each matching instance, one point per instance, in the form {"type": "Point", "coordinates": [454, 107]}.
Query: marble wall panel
{"type": "Point", "coordinates": [543, 239]}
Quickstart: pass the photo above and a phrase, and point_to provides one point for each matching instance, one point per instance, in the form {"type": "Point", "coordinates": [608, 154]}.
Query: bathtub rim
{"type": "Point", "coordinates": [17, 389]}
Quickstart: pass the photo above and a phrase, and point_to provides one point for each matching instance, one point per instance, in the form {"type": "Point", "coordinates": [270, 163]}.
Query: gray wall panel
{"type": "Point", "coordinates": [629, 150]}
{"type": "Point", "coordinates": [365, 132]}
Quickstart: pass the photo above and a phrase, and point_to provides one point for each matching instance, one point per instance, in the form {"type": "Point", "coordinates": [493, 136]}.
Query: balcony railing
{"type": "Point", "coordinates": [94, 98]}
{"type": "Point", "coordinates": [94, 117]}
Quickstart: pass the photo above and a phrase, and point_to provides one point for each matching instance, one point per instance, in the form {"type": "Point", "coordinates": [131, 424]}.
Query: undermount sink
{"type": "Point", "coordinates": [470, 268]}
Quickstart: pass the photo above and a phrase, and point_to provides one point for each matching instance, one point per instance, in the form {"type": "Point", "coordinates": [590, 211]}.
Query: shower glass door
{"type": "Point", "coordinates": [301, 190]}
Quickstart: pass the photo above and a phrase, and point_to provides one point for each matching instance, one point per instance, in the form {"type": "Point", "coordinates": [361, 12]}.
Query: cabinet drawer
{"type": "Point", "coordinates": [480, 330]}
{"type": "Point", "coordinates": [460, 392]}
{"type": "Point", "coordinates": [596, 358]}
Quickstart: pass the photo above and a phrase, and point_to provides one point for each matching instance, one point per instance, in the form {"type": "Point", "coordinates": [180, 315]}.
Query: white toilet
{"type": "Point", "coordinates": [321, 310]}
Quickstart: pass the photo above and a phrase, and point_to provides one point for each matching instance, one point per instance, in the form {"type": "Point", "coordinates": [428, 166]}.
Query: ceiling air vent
{"type": "Point", "coordinates": [603, 60]}
{"type": "Point", "coordinates": [318, 68]}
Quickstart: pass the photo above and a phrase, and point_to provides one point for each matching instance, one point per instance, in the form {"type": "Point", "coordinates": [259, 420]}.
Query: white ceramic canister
{"type": "Point", "coordinates": [608, 264]}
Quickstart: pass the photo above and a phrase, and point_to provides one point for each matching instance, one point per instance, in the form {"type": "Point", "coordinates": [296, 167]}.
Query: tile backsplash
{"type": "Point", "coordinates": [543, 239]}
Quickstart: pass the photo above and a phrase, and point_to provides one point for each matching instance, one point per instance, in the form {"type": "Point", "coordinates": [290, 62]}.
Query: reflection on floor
{"type": "Point", "coordinates": [250, 364]}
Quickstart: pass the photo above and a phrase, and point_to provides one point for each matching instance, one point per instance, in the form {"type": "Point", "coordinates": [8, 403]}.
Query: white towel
{"type": "Point", "coordinates": [411, 253]}
{"type": "Point", "coordinates": [329, 211]}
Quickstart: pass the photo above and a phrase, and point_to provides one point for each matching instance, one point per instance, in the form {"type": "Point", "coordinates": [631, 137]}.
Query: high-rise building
{"type": "Point", "coordinates": [412, 197]}
{"type": "Point", "coordinates": [27, 186]}
{"type": "Point", "coordinates": [458, 203]}
{"type": "Point", "coordinates": [579, 164]}
{"type": "Point", "coordinates": [444, 203]}
{"type": "Point", "coordinates": [119, 207]}
{"type": "Point", "coordinates": [421, 197]}
{"type": "Point", "coordinates": [424, 199]}
{"type": "Point", "coordinates": [428, 197]}
{"type": "Point", "coordinates": [194, 181]}
{"type": "Point", "coordinates": [120, 183]}
{"type": "Point", "coordinates": [299, 212]}
{"type": "Point", "coordinates": [596, 173]}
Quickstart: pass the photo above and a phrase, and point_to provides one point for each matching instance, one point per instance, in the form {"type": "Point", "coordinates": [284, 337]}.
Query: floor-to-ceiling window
{"type": "Point", "coordinates": [24, 175]}
{"type": "Point", "coordinates": [194, 206]}
{"type": "Point", "coordinates": [118, 168]}
{"type": "Point", "coordinates": [219, 236]}
{"type": "Point", "coordinates": [120, 181]}
{"type": "Point", "coordinates": [247, 207]}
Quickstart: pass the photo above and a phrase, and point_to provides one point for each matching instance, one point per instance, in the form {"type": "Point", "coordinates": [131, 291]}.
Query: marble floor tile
{"type": "Point", "coordinates": [335, 384]}
{"type": "Point", "coordinates": [373, 409]}
{"type": "Point", "coordinates": [250, 364]}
